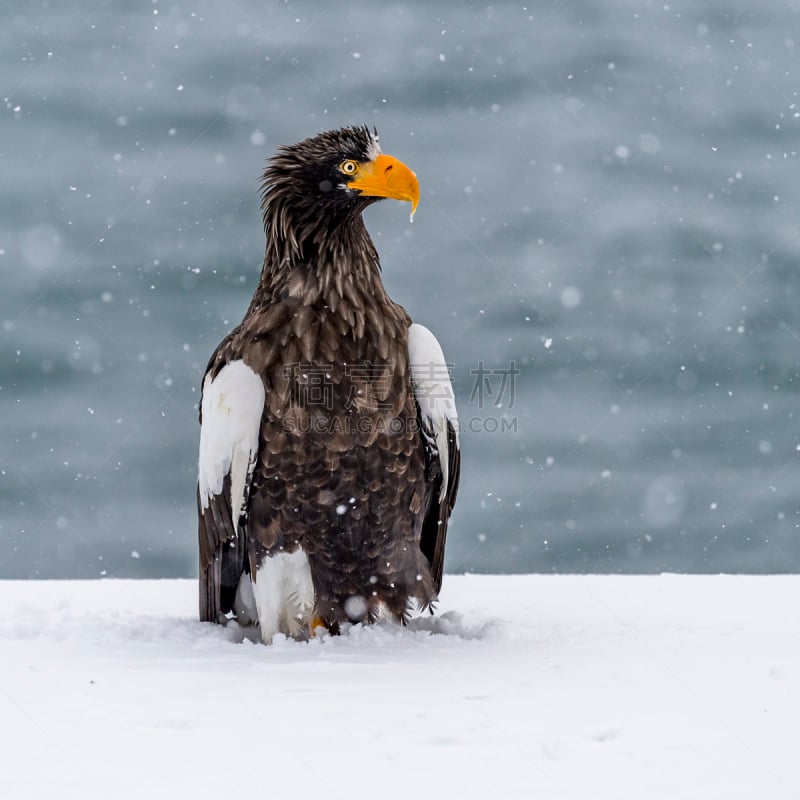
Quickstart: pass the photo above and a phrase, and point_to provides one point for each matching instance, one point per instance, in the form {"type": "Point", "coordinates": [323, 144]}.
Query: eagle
{"type": "Point", "coordinates": [329, 451]}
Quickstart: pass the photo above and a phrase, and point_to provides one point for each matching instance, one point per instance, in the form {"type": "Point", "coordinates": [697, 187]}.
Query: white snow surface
{"type": "Point", "coordinates": [519, 687]}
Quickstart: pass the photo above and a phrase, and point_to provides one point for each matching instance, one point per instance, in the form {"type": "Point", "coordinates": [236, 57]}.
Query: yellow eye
{"type": "Point", "coordinates": [349, 167]}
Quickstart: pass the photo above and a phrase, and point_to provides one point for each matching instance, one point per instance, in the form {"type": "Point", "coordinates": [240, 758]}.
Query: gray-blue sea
{"type": "Point", "coordinates": [606, 247]}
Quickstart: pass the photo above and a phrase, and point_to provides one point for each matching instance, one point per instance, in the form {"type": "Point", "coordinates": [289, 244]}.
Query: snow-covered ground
{"type": "Point", "coordinates": [526, 686]}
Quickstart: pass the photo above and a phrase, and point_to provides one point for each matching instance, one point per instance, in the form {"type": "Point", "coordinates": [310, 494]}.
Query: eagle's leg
{"type": "Point", "coordinates": [267, 594]}
{"type": "Point", "coordinates": [297, 613]}
{"type": "Point", "coordinates": [284, 595]}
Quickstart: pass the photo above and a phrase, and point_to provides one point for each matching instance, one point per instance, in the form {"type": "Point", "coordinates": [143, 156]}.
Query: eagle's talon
{"type": "Point", "coordinates": [314, 625]}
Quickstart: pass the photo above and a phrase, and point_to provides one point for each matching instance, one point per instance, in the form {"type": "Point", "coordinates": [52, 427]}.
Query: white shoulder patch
{"type": "Point", "coordinates": [431, 376]}
{"type": "Point", "coordinates": [232, 407]}
{"type": "Point", "coordinates": [433, 391]}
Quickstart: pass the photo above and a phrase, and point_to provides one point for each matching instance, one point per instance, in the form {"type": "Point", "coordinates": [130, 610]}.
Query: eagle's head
{"type": "Point", "coordinates": [334, 175]}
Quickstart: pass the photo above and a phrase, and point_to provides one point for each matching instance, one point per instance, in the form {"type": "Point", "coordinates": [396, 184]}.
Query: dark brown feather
{"type": "Point", "coordinates": [434, 528]}
{"type": "Point", "coordinates": [222, 556]}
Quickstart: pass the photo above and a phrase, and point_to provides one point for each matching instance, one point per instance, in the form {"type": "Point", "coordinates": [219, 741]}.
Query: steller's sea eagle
{"type": "Point", "coordinates": [329, 457]}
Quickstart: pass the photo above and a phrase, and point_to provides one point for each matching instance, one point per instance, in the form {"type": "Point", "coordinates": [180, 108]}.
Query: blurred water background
{"type": "Point", "coordinates": [609, 206]}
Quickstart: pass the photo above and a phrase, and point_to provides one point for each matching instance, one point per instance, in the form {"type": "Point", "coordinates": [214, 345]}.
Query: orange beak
{"type": "Point", "coordinates": [387, 177]}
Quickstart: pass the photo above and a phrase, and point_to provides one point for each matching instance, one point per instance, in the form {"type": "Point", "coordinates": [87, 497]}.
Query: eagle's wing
{"type": "Point", "coordinates": [231, 406]}
{"type": "Point", "coordinates": [438, 420]}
